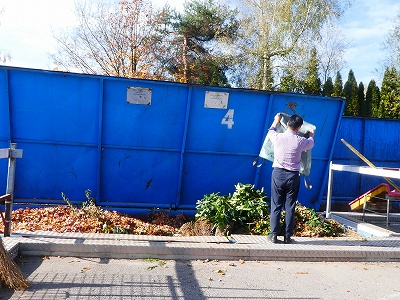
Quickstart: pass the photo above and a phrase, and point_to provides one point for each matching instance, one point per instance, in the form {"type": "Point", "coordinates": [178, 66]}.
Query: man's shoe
{"type": "Point", "coordinates": [272, 238]}
{"type": "Point", "coordinates": [287, 240]}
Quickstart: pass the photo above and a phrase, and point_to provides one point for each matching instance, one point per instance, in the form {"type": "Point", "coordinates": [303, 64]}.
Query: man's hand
{"type": "Point", "coordinates": [277, 119]}
{"type": "Point", "coordinates": [311, 134]}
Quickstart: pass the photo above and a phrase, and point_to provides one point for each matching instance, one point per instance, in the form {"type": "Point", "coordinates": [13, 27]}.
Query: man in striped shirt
{"type": "Point", "coordinates": [285, 182]}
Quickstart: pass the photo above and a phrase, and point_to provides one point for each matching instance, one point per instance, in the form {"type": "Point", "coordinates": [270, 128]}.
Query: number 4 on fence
{"type": "Point", "coordinates": [228, 119]}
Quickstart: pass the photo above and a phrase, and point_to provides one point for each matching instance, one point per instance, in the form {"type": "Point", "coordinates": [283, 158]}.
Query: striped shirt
{"type": "Point", "coordinates": [287, 148]}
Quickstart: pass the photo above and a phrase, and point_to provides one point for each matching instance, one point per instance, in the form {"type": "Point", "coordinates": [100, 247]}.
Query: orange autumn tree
{"type": "Point", "coordinates": [131, 39]}
{"type": "Point", "coordinates": [111, 39]}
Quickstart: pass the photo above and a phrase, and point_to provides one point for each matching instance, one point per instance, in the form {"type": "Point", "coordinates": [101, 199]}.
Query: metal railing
{"type": "Point", "coordinates": [381, 172]}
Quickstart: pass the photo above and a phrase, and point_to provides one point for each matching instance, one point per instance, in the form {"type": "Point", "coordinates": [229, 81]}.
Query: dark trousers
{"type": "Point", "coordinates": [285, 187]}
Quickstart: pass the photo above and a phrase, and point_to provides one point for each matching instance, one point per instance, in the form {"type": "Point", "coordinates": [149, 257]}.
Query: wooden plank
{"type": "Point", "coordinates": [355, 151]}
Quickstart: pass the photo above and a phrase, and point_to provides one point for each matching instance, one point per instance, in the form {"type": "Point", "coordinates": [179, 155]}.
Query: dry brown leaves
{"type": "Point", "coordinates": [92, 219]}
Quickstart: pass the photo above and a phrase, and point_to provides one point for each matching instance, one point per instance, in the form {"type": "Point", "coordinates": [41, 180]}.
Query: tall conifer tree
{"type": "Point", "coordinates": [328, 88]}
{"type": "Point", "coordinates": [312, 83]}
{"type": "Point", "coordinates": [361, 100]}
{"type": "Point", "coordinates": [350, 92]}
{"type": "Point", "coordinates": [372, 99]}
{"type": "Point", "coordinates": [338, 86]}
{"type": "Point", "coordinates": [390, 94]}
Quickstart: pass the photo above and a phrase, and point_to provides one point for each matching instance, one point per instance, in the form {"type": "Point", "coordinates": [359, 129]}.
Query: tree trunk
{"type": "Point", "coordinates": [185, 63]}
{"type": "Point", "coordinates": [267, 73]}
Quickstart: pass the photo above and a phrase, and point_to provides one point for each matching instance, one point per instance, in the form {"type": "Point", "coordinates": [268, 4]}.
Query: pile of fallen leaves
{"type": "Point", "coordinates": [93, 219]}
{"type": "Point", "coordinates": [308, 223]}
{"type": "Point", "coordinates": [90, 218]}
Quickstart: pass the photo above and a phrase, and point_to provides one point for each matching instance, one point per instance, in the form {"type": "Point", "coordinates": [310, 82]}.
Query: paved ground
{"type": "Point", "coordinates": [247, 247]}
{"type": "Point", "coordinates": [95, 278]}
{"type": "Point", "coordinates": [104, 266]}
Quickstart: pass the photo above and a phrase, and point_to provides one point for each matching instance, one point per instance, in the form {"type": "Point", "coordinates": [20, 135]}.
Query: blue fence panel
{"type": "Point", "coordinates": [46, 170]}
{"type": "Point", "coordinates": [54, 120]}
{"type": "Point", "coordinates": [381, 149]}
{"type": "Point", "coordinates": [382, 142]}
{"type": "Point", "coordinates": [378, 141]}
{"type": "Point", "coordinates": [139, 144]}
{"type": "Point", "coordinates": [53, 107]}
{"type": "Point", "coordinates": [353, 133]}
{"type": "Point", "coordinates": [222, 142]}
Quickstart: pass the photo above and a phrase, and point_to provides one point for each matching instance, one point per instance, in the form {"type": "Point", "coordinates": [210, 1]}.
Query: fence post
{"type": "Point", "coordinates": [13, 155]}
{"type": "Point", "coordinates": [329, 196]}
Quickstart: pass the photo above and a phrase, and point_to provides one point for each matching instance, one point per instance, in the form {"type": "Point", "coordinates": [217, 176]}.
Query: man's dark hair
{"type": "Point", "coordinates": [294, 122]}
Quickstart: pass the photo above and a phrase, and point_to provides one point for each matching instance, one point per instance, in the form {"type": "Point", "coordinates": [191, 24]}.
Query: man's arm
{"type": "Point", "coordinates": [276, 121]}
{"type": "Point", "coordinates": [309, 142]}
{"type": "Point", "coordinates": [272, 130]}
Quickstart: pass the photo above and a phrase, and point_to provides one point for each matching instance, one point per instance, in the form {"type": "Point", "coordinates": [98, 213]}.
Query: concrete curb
{"type": "Point", "coordinates": [11, 246]}
{"type": "Point", "coordinates": [244, 247]}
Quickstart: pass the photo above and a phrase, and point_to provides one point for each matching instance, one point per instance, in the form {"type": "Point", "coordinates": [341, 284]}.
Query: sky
{"type": "Point", "coordinates": [26, 28]}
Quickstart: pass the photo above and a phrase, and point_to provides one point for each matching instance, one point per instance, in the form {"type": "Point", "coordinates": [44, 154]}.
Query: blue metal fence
{"type": "Point", "coordinates": [378, 140]}
{"type": "Point", "coordinates": [139, 144]}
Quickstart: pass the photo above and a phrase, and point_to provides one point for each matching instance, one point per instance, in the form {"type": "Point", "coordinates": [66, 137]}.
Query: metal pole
{"type": "Point", "coordinates": [10, 190]}
{"type": "Point", "coordinates": [387, 211]}
{"type": "Point", "coordinates": [329, 196]}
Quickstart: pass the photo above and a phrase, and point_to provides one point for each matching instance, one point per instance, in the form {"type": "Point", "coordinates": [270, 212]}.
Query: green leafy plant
{"type": "Point", "coordinates": [74, 209]}
{"type": "Point", "coordinates": [88, 202]}
{"type": "Point", "coordinates": [250, 209]}
{"type": "Point", "coordinates": [66, 199]}
{"type": "Point", "coordinates": [87, 206]}
{"type": "Point", "coordinates": [217, 209]}
{"type": "Point", "coordinates": [107, 228]}
{"type": "Point", "coordinates": [246, 208]}
{"type": "Point", "coordinates": [89, 199]}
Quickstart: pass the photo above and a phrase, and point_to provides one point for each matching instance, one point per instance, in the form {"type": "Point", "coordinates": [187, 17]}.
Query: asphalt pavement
{"type": "Point", "coordinates": [153, 279]}
{"type": "Point", "coordinates": [107, 266]}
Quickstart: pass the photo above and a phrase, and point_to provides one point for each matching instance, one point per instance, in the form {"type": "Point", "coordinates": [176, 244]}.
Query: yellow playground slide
{"type": "Point", "coordinates": [377, 194]}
